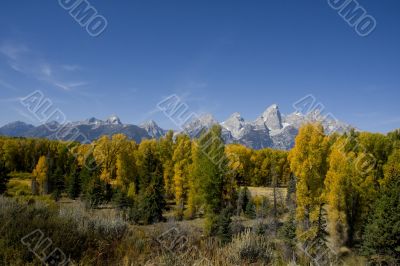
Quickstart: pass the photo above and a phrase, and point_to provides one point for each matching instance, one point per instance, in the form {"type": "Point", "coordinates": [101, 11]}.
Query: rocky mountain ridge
{"type": "Point", "coordinates": [270, 130]}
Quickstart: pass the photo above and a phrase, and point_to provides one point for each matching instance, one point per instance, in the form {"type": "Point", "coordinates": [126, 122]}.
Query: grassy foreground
{"type": "Point", "coordinates": [33, 229]}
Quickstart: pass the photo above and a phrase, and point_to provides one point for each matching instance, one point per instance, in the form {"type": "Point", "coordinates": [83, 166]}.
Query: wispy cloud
{"type": "Point", "coordinates": [46, 70]}
{"type": "Point", "coordinates": [7, 85]}
{"type": "Point", "coordinates": [24, 60]}
{"type": "Point", "coordinates": [10, 100]}
{"type": "Point", "coordinates": [12, 50]}
{"type": "Point", "coordinates": [68, 86]}
{"type": "Point", "coordinates": [72, 67]}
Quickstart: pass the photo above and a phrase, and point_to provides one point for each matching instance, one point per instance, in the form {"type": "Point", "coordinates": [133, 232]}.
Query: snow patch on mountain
{"type": "Point", "coordinates": [270, 129]}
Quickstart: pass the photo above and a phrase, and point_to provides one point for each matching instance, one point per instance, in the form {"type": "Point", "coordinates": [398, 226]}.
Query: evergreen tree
{"type": "Point", "coordinates": [148, 162]}
{"type": "Point", "coordinates": [391, 168]}
{"type": "Point", "coordinates": [288, 230]}
{"type": "Point", "coordinates": [74, 184]}
{"type": "Point", "coordinates": [3, 178]}
{"type": "Point", "coordinates": [244, 198]}
{"type": "Point", "coordinates": [96, 192]}
{"type": "Point", "coordinates": [250, 210]}
{"type": "Point", "coordinates": [57, 183]}
{"type": "Point", "coordinates": [121, 200]}
{"type": "Point", "coordinates": [210, 170]}
{"type": "Point", "coordinates": [382, 233]}
{"type": "Point", "coordinates": [223, 225]}
{"type": "Point", "coordinates": [152, 201]}
{"type": "Point", "coordinates": [291, 193]}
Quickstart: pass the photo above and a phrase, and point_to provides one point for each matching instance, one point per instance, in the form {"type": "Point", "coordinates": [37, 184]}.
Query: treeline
{"type": "Point", "coordinates": [342, 189]}
{"type": "Point", "coordinates": [142, 177]}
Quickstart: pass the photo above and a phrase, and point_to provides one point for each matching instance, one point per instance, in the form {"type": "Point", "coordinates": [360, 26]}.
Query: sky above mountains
{"type": "Point", "coordinates": [219, 57]}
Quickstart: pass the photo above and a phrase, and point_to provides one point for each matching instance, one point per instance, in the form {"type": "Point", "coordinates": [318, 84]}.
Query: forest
{"type": "Point", "coordinates": [340, 205]}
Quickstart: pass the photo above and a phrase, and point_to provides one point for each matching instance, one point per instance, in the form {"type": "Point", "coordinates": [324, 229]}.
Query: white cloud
{"type": "Point", "coordinates": [24, 60]}
{"type": "Point", "coordinates": [13, 51]}
{"type": "Point", "coordinates": [68, 86]}
{"type": "Point", "coordinates": [46, 70]}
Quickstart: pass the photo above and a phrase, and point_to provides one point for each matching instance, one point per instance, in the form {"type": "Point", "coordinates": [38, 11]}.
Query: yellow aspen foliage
{"type": "Point", "coordinates": [338, 186]}
{"type": "Point", "coordinates": [126, 171]}
{"type": "Point", "coordinates": [391, 169]}
{"type": "Point", "coordinates": [193, 198]}
{"type": "Point", "coordinates": [308, 163]}
{"type": "Point", "coordinates": [40, 175]}
{"type": "Point", "coordinates": [240, 163]}
{"type": "Point", "coordinates": [349, 193]}
{"type": "Point", "coordinates": [182, 161]}
{"type": "Point", "coordinates": [106, 150]}
{"type": "Point", "coordinates": [166, 144]}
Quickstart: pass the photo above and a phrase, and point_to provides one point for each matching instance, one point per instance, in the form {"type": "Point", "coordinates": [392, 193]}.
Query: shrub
{"type": "Point", "coordinates": [77, 234]}
{"type": "Point", "coordinates": [248, 247]}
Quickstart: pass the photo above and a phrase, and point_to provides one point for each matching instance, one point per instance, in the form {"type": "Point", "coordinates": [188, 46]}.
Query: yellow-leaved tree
{"type": "Point", "coordinates": [308, 161]}
{"type": "Point", "coordinates": [338, 193]}
{"type": "Point", "coordinates": [182, 159]}
{"type": "Point", "coordinates": [166, 145]}
{"type": "Point", "coordinates": [349, 192]}
{"type": "Point", "coordinates": [40, 181]}
{"type": "Point", "coordinates": [126, 170]}
{"type": "Point", "coordinates": [240, 164]}
{"type": "Point", "coordinates": [106, 151]}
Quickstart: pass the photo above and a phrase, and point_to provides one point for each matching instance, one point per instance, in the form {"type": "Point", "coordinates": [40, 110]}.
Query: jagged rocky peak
{"type": "Point", "coordinates": [234, 119]}
{"type": "Point", "coordinates": [237, 116]}
{"type": "Point", "coordinates": [113, 120]}
{"type": "Point", "coordinates": [93, 120]}
{"type": "Point", "coordinates": [153, 129]}
{"type": "Point", "coordinates": [271, 118]}
{"type": "Point", "coordinates": [197, 124]}
{"type": "Point", "coordinates": [149, 123]}
{"type": "Point", "coordinates": [235, 124]}
{"type": "Point", "coordinates": [205, 120]}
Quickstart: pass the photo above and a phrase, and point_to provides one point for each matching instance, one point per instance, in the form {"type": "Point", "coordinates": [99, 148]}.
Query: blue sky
{"type": "Point", "coordinates": [219, 56]}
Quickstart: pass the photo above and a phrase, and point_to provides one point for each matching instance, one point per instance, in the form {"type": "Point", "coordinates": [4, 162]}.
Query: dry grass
{"type": "Point", "coordinates": [268, 192]}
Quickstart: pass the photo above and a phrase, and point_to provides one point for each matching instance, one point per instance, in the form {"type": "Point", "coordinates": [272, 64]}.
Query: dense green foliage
{"type": "Point", "coordinates": [382, 232]}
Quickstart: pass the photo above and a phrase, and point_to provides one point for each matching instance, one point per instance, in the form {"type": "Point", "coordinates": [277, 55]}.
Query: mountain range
{"type": "Point", "coordinates": [271, 129]}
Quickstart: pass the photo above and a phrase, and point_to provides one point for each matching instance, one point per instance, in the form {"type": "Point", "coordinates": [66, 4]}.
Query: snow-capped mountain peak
{"type": "Point", "coordinates": [194, 127]}
{"type": "Point", "coordinates": [153, 129]}
{"type": "Point", "coordinates": [270, 129]}
{"type": "Point", "coordinates": [270, 118]}
{"type": "Point", "coordinates": [235, 124]}
{"type": "Point", "coordinates": [93, 121]}
{"type": "Point", "coordinates": [149, 123]}
{"type": "Point", "coordinates": [113, 120]}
